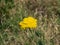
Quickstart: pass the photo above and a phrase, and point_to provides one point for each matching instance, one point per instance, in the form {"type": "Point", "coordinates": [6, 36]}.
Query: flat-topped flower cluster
{"type": "Point", "coordinates": [28, 22]}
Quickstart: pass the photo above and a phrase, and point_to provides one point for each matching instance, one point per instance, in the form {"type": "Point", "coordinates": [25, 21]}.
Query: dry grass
{"type": "Point", "coordinates": [45, 11]}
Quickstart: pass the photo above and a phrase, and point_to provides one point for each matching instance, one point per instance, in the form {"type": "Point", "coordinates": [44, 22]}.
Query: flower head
{"type": "Point", "coordinates": [28, 22]}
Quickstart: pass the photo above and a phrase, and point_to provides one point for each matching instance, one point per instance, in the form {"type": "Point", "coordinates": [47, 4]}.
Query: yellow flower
{"type": "Point", "coordinates": [28, 22]}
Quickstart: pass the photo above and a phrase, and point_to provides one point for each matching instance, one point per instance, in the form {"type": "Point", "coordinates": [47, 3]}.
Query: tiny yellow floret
{"type": "Point", "coordinates": [28, 22]}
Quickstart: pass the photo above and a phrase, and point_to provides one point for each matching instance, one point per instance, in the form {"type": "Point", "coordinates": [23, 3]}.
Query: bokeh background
{"type": "Point", "coordinates": [47, 12]}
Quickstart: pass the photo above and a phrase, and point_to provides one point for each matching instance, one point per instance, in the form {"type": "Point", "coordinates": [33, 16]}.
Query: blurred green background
{"type": "Point", "coordinates": [47, 12]}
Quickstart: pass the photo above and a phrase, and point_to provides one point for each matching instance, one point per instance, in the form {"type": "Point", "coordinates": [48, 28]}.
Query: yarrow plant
{"type": "Point", "coordinates": [28, 22]}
